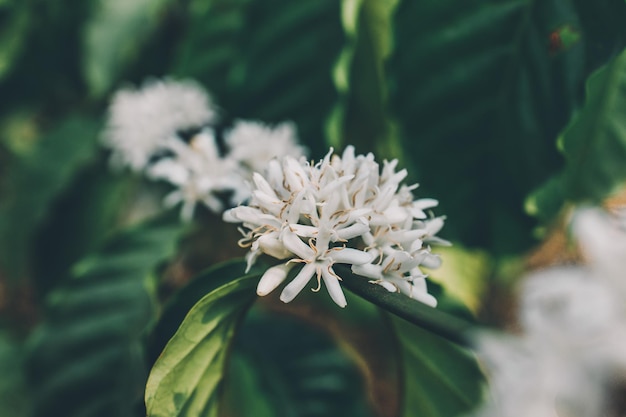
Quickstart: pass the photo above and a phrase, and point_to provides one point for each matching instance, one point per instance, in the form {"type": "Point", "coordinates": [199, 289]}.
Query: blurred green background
{"type": "Point", "coordinates": [471, 96]}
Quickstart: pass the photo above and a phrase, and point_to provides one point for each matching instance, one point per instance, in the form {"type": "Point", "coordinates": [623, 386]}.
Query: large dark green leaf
{"type": "Point", "coordinates": [481, 89]}
{"type": "Point", "coordinates": [113, 37]}
{"type": "Point", "coordinates": [187, 378]}
{"type": "Point", "coordinates": [440, 379]}
{"type": "Point", "coordinates": [266, 60]}
{"type": "Point", "coordinates": [14, 400]}
{"type": "Point", "coordinates": [247, 396]}
{"type": "Point", "coordinates": [35, 180]}
{"type": "Point", "coordinates": [87, 358]}
{"type": "Point", "coordinates": [210, 44]}
{"type": "Point", "coordinates": [293, 369]}
{"type": "Point", "coordinates": [594, 145]}
{"type": "Point", "coordinates": [182, 301]}
{"type": "Point", "coordinates": [360, 117]}
{"type": "Point", "coordinates": [15, 21]}
{"type": "Point", "coordinates": [45, 69]}
{"type": "Point", "coordinates": [86, 214]}
{"type": "Point", "coordinates": [289, 49]}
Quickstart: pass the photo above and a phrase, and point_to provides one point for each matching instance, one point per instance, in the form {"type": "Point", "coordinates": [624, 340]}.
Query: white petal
{"type": "Point", "coordinates": [297, 208]}
{"type": "Point", "coordinates": [353, 231]}
{"type": "Point", "coordinates": [397, 258]}
{"type": "Point", "coordinates": [251, 258]}
{"type": "Point", "coordinates": [275, 174]}
{"type": "Point", "coordinates": [186, 214]}
{"type": "Point", "coordinates": [396, 214]}
{"type": "Point", "coordinates": [434, 226]}
{"type": "Point", "coordinates": [267, 202]}
{"type": "Point", "coordinates": [294, 174]}
{"type": "Point", "coordinates": [419, 282]}
{"type": "Point", "coordinates": [169, 170]}
{"type": "Point", "coordinates": [272, 278]}
{"type": "Point", "coordinates": [333, 287]}
{"type": "Point", "coordinates": [425, 203]}
{"type": "Point", "coordinates": [299, 282]}
{"type": "Point", "coordinates": [294, 244]}
{"type": "Point", "coordinates": [322, 241]}
{"type": "Point", "coordinates": [368, 270]}
{"type": "Point", "coordinates": [330, 189]}
{"type": "Point", "coordinates": [425, 298]}
{"type": "Point", "coordinates": [271, 245]}
{"type": "Point", "coordinates": [213, 203]}
{"type": "Point", "coordinates": [251, 215]}
{"type": "Point", "coordinates": [431, 261]}
{"type": "Point", "coordinates": [230, 216]}
{"type": "Point", "coordinates": [416, 245]}
{"type": "Point", "coordinates": [434, 240]}
{"type": "Point", "coordinates": [386, 285]}
{"type": "Point", "coordinates": [304, 230]}
{"type": "Point", "coordinates": [416, 293]}
{"type": "Point", "coordinates": [173, 198]}
{"type": "Point", "coordinates": [390, 216]}
{"type": "Point", "coordinates": [349, 256]}
{"type": "Point", "coordinates": [263, 186]}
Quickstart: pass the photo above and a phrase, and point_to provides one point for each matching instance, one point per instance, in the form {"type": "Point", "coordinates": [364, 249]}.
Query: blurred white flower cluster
{"type": "Point", "coordinates": [148, 131]}
{"type": "Point", "coordinates": [574, 332]}
{"type": "Point", "coordinates": [342, 210]}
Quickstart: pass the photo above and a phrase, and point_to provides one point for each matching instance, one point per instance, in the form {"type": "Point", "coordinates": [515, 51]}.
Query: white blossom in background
{"type": "Point", "coordinates": [574, 332]}
{"type": "Point", "coordinates": [145, 128]}
{"type": "Point", "coordinates": [253, 144]}
{"type": "Point", "coordinates": [200, 175]}
{"type": "Point", "coordinates": [342, 210]}
{"type": "Point", "coordinates": [141, 122]}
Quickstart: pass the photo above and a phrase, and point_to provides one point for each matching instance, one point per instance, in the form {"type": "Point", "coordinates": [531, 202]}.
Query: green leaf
{"type": "Point", "coordinates": [113, 37]}
{"type": "Point", "coordinates": [594, 145]}
{"type": "Point", "coordinates": [288, 51]}
{"type": "Point", "coordinates": [187, 378]}
{"type": "Point", "coordinates": [15, 22]}
{"type": "Point", "coordinates": [209, 48]}
{"type": "Point", "coordinates": [14, 400]}
{"type": "Point", "coordinates": [481, 89]}
{"type": "Point", "coordinates": [248, 397]}
{"type": "Point", "coordinates": [87, 358]}
{"type": "Point", "coordinates": [85, 214]}
{"type": "Point", "coordinates": [360, 117]}
{"type": "Point", "coordinates": [439, 322]}
{"type": "Point", "coordinates": [35, 180]}
{"type": "Point", "coordinates": [184, 299]}
{"type": "Point", "coordinates": [292, 369]}
{"type": "Point", "coordinates": [440, 379]}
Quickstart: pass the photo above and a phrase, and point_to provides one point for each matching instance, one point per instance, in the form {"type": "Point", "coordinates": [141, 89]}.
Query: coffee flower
{"type": "Point", "coordinates": [200, 175]}
{"type": "Point", "coordinates": [571, 348]}
{"type": "Point", "coordinates": [253, 144]}
{"type": "Point", "coordinates": [144, 121]}
{"type": "Point", "coordinates": [342, 210]}
{"type": "Point", "coordinates": [151, 130]}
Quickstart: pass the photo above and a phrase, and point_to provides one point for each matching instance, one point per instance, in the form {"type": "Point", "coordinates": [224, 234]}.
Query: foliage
{"type": "Point", "coordinates": [594, 145]}
{"type": "Point", "coordinates": [13, 392]}
{"type": "Point", "coordinates": [87, 357]}
{"type": "Point", "coordinates": [505, 111]}
{"type": "Point", "coordinates": [493, 94]}
{"type": "Point", "coordinates": [186, 378]}
{"type": "Point", "coordinates": [34, 182]}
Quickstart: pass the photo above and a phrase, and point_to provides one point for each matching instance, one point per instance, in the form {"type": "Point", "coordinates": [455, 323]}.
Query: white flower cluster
{"type": "Point", "coordinates": [142, 122]}
{"type": "Point", "coordinates": [145, 132]}
{"type": "Point", "coordinates": [342, 210]}
{"type": "Point", "coordinates": [574, 323]}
